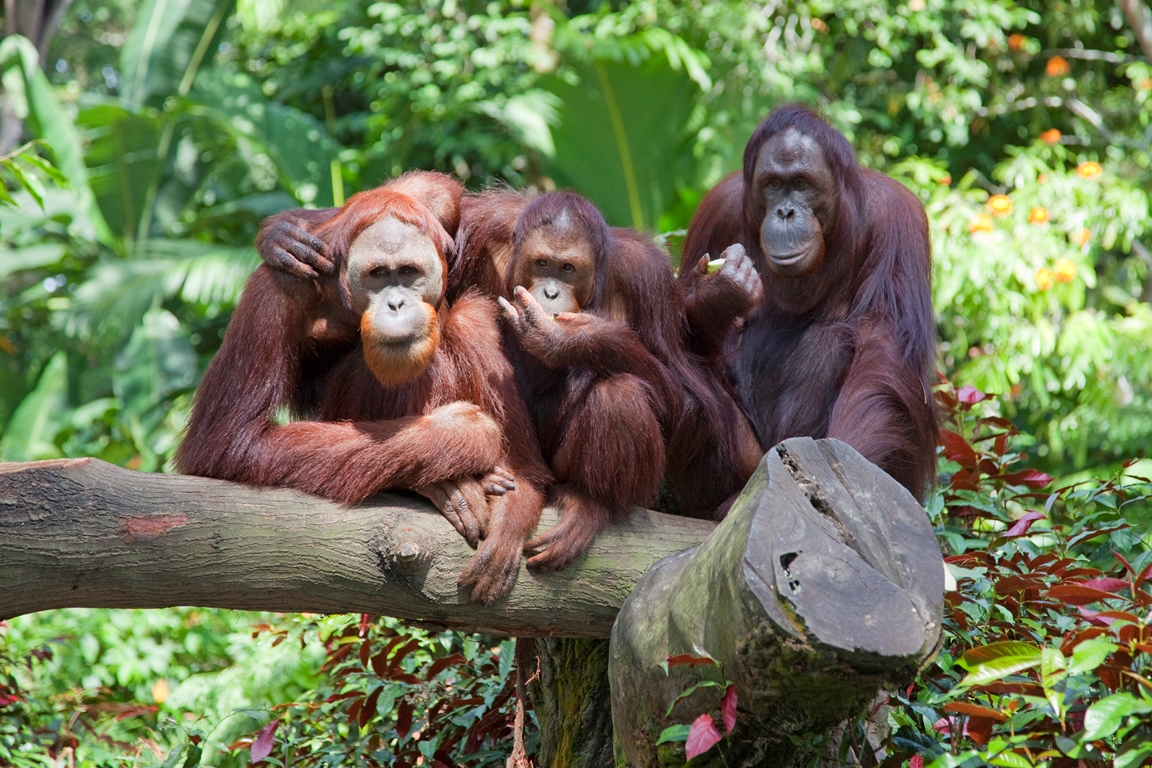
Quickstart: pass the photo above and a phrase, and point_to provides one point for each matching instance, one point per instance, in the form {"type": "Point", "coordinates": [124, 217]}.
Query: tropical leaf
{"type": "Point", "coordinates": [30, 433]}
{"type": "Point", "coordinates": [28, 91]}
{"type": "Point", "coordinates": [621, 135]}
{"type": "Point", "coordinates": [172, 39]}
{"type": "Point", "coordinates": [1108, 714]}
{"type": "Point", "coordinates": [157, 363]}
{"type": "Point", "coordinates": [122, 161]}
{"type": "Point", "coordinates": [296, 142]}
{"type": "Point", "coordinates": [114, 300]}
{"type": "Point", "coordinates": [32, 257]}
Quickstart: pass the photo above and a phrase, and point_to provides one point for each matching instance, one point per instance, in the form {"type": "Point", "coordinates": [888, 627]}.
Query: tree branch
{"type": "Point", "coordinates": [1140, 19]}
{"type": "Point", "coordinates": [89, 534]}
{"type": "Point", "coordinates": [1085, 54]}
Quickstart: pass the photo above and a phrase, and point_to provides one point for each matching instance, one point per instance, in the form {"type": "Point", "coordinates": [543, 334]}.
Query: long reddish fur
{"type": "Point", "coordinates": [358, 437]}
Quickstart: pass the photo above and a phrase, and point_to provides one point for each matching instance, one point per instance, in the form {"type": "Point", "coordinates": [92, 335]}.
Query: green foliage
{"type": "Point", "coordinates": [1048, 646]}
{"type": "Point", "coordinates": [397, 696]}
{"type": "Point", "coordinates": [140, 681]}
{"type": "Point", "coordinates": [1031, 303]}
{"type": "Point", "coordinates": [24, 168]}
{"type": "Point", "coordinates": [177, 126]}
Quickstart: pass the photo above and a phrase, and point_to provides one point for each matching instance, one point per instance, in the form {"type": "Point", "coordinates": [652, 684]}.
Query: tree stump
{"type": "Point", "coordinates": [824, 584]}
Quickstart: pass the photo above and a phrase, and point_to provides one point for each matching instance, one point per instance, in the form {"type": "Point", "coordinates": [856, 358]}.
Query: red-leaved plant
{"type": "Point", "coordinates": [702, 734]}
{"type": "Point", "coordinates": [1048, 649]}
{"type": "Point", "coordinates": [399, 697]}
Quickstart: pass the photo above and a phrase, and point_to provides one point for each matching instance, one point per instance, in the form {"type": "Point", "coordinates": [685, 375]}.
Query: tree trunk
{"type": "Point", "coordinates": [824, 584]}
{"type": "Point", "coordinates": [571, 700]}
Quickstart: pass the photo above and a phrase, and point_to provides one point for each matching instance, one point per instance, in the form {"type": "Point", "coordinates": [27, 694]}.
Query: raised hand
{"type": "Point", "coordinates": [527, 317]}
{"type": "Point", "coordinates": [286, 245]}
{"type": "Point", "coordinates": [736, 283]}
{"type": "Point", "coordinates": [548, 337]}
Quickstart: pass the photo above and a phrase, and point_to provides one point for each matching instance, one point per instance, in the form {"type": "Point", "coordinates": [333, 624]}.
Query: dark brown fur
{"type": "Point", "coordinates": [858, 365]}
{"type": "Point", "coordinates": [619, 404]}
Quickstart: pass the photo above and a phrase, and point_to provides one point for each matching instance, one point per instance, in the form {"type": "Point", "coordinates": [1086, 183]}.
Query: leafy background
{"type": "Point", "coordinates": [163, 131]}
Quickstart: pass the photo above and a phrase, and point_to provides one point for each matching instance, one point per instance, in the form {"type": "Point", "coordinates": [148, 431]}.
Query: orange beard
{"type": "Point", "coordinates": [397, 364]}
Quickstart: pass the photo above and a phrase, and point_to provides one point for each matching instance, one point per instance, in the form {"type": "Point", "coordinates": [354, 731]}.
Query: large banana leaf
{"type": "Point", "coordinates": [170, 42]}
{"type": "Point", "coordinates": [296, 142]}
{"type": "Point", "coordinates": [620, 135]}
{"type": "Point", "coordinates": [30, 433]}
{"type": "Point", "coordinates": [31, 95]}
{"type": "Point", "coordinates": [121, 161]}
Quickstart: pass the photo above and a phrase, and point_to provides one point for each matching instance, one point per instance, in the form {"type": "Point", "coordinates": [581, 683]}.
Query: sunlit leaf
{"type": "Point", "coordinates": [24, 80]}
{"type": "Point", "coordinates": [673, 733]}
{"type": "Point", "coordinates": [1103, 717]}
{"type": "Point", "coordinates": [262, 746]}
{"type": "Point", "coordinates": [171, 41]}
{"type": "Point", "coordinates": [997, 661]}
{"type": "Point", "coordinates": [30, 433]}
{"type": "Point", "coordinates": [702, 736]}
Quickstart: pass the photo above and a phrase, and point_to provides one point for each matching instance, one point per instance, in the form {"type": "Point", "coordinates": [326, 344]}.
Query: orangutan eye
{"type": "Point", "coordinates": [407, 270]}
{"type": "Point", "coordinates": [801, 182]}
{"type": "Point", "coordinates": [541, 262]}
{"type": "Point", "coordinates": [774, 183]}
{"type": "Point", "coordinates": [379, 272]}
{"type": "Point", "coordinates": [568, 267]}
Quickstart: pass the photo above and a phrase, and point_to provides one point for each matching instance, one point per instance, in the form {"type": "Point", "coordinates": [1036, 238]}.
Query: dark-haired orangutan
{"type": "Point", "coordinates": [617, 400]}
{"type": "Point", "coordinates": [839, 338]}
{"type": "Point", "coordinates": [397, 388]}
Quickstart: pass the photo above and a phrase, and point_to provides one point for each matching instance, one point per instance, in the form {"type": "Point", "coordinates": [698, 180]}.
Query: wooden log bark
{"type": "Point", "coordinates": [571, 701]}
{"type": "Point", "coordinates": [824, 584]}
{"type": "Point", "coordinates": [85, 533]}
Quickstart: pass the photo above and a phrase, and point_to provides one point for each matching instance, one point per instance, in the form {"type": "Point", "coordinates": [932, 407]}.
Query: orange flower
{"type": "Point", "coordinates": [1089, 170]}
{"type": "Point", "coordinates": [1057, 67]}
{"type": "Point", "coordinates": [1082, 237]}
{"type": "Point", "coordinates": [1038, 215]}
{"type": "Point", "coordinates": [1016, 42]}
{"type": "Point", "coordinates": [946, 180]}
{"type": "Point", "coordinates": [1065, 270]}
{"type": "Point", "coordinates": [1146, 85]}
{"type": "Point", "coordinates": [1000, 205]}
{"type": "Point", "coordinates": [1050, 136]}
{"type": "Point", "coordinates": [982, 223]}
{"type": "Point", "coordinates": [1044, 278]}
{"type": "Point", "coordinates": [1041, 178]}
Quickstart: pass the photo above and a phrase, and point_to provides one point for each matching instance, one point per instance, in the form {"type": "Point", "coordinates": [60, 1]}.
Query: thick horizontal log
{"type": "Point", "coordinates": [85, 533]}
